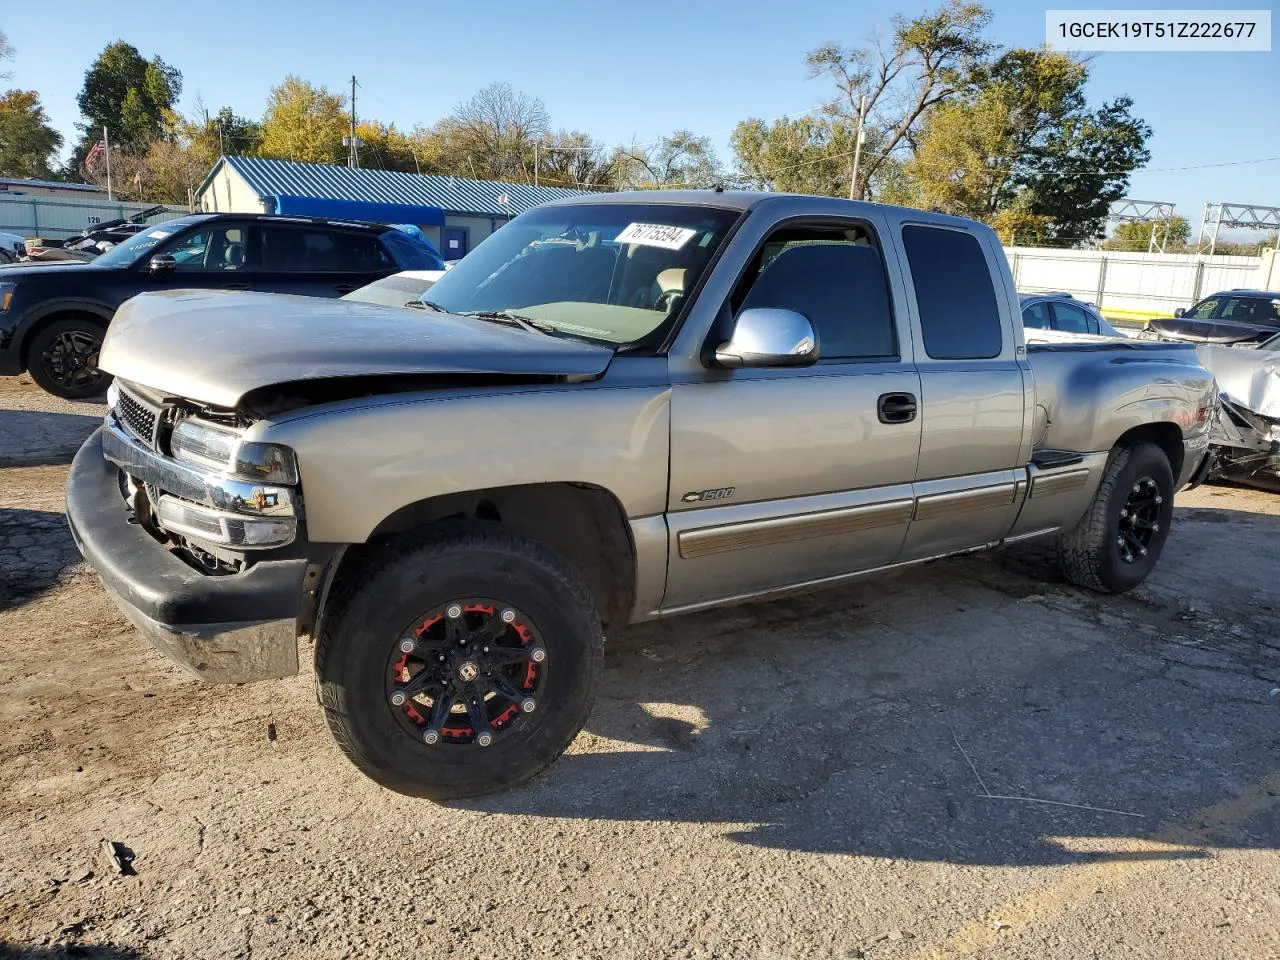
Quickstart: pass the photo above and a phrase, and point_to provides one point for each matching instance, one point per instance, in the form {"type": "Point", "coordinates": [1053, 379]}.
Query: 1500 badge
{"type": "Point", "coordinates": [696, 496]}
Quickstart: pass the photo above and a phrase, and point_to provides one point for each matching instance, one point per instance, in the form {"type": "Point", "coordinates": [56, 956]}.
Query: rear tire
{"type": "Point", "coordinates": [63, 359]}
{"type": "Point", "coordinates": [411, 581]}
{"type": "Point", "coordinates": [1118, 541]}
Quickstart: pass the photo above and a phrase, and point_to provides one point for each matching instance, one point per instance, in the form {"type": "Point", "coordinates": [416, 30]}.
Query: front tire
{"type": "Point", "coordinates": [460, 664]}
{"type": "Point", "coordinates": [63, 359]}
{"type": "Point", "coordinates": [1117, 542]}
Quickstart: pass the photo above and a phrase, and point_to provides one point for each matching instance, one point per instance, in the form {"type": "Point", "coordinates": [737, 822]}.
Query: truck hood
{"type": "Point", "coordinates": [1250, 378]}
{"type": "Point", "coordinates": [1209, 331]}
{"type": "Point", "coordinates": [215, 346]}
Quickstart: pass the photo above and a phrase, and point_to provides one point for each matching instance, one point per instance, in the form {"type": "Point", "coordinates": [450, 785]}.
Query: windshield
{"type": "Point", "coordinates": [396, 290]}
{"type": "Point", "coordinates": [607, 272]}
{"type": "Point", "coordinates": [127, 252]}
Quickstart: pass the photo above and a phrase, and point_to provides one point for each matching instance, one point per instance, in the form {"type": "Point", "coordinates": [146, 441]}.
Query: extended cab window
{"type": "Point", "coordinates": [959, 317]}
{"type": "Point", "coordinates": [835, 277]}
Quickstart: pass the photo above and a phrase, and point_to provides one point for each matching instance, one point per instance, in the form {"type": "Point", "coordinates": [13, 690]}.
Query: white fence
{"type": "Point", "coordinates": [1133, 285]}
{"type": "Point", "coordinates": [49, 218]}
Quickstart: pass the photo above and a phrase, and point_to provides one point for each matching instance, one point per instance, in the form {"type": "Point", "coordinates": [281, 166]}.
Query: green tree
{"type": "Point", "coordinates": [128, 95]}
{"type": "Point", "coordinates": [28, 143]}
{"type": "Point", "coordinates": [1137, 234]}
{"type": "Point", "coordinates": [680, 159]}
{"type": "Point", "coordinates": [1082, 167]}
{"type": "Point", "coordinates": [384, 147]}
{"type": "Point", "coordinates": [304, 122]}
{"type": "Point", "coordinates": [811, 154]}
{"type": "Point", "coordinates": [571, 158]}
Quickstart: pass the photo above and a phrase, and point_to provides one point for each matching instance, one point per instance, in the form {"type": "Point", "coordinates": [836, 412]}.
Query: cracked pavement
{"type": "Point", "coordinates": [970, 758]}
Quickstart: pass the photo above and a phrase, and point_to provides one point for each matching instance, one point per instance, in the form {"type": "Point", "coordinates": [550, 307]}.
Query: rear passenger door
{"type": "Point", "coordinates": [974, 399]}
{"type": "Point", "coordinates": [782, 476]}
{"type": "Point", "coordinates": [316, 261]}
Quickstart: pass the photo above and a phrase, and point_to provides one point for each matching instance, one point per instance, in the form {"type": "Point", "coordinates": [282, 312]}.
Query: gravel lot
{"type": "Point", "coordinates": [969, 759]}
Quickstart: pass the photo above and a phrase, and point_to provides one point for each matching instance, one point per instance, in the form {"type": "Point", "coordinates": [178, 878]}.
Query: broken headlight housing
{"type": "Point", "coordinates": [225, 451]}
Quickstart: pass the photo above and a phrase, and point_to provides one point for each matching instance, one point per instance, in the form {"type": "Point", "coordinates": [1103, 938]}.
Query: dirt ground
{"type": "Point", "coordinates": [969, 759]}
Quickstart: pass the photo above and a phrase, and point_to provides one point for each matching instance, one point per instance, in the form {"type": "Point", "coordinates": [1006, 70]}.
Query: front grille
{"type": "Point", "coordinates": [137, 417]}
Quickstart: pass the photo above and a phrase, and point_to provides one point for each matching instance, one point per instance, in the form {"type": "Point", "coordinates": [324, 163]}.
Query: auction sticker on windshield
{"type": "Point", "coordinates": [655, 235]}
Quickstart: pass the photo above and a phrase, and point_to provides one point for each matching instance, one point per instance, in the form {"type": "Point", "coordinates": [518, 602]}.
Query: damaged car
{"type": "Point", "coordinates": [1246, 434]}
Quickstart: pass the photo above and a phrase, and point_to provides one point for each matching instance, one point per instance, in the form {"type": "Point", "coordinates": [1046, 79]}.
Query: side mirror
{"type": "Point", "coordinates": [1178, 312]}
{"type": "Point", "coordinates": [161, 264]}
{"type": "Point", "coordinates": [767, 337]}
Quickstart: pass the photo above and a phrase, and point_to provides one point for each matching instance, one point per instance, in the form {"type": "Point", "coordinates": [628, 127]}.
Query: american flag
{"type": "Point", "coordinates": [98, 150]}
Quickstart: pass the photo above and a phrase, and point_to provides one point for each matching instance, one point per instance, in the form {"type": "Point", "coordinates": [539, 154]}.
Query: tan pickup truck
{"type": "Point", "coordinates": [613, 410]}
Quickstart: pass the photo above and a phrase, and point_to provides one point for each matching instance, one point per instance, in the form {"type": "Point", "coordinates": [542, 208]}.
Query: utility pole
{"type": "Point", "coordinates": [106, 149]}
{"type": "Point", "coordinates": [857, 144]}
{"type": "Point", "coordinates": [353, 159]}
{"type": "Point", "coordinates": [535, 163]}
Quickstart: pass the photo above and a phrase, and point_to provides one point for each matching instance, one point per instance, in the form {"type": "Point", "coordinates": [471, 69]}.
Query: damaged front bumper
{"type": "Point", "coordinates": [1246, 445]}
{"type": "Point", "coordinates": [230, 628]}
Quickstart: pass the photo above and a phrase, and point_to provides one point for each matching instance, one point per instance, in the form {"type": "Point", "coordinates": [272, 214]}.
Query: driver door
{"type": "Point", "coordinates": [791, 475]}
{"type": "Point", "coordinates": [217, 255]}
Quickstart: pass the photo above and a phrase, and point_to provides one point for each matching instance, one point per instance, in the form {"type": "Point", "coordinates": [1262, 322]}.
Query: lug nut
{"type": "Point", "coordinates": [431, 737]}
{"type": "Point", "coordinates": [397, 699]}
{"type": "Point", "coordinates": [486, 649]}
{"type": "Point", "coordinates": [537, 654]}
{"type": "Point", "coordinates": [454, 611]}
{"type": "Point", "coordinates": [407, 645]}
{"type": "Point", "coordinates": [484, 739]}
{"type": "Point", "coordinates": [528, 705]}
{"type": "Point", "coordinates": [508, 616]}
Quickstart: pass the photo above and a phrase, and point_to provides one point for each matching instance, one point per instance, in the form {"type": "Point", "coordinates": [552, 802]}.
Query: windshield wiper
{"type": "Point", "coordinates": [511, 319]}
{"type": "Point", "coordinates": [429, 305]}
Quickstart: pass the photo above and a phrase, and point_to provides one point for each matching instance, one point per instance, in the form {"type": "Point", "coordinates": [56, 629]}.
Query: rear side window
{"type": "Point", "coordinates": [1072, 319]}
{"type": "Point", "coordinates": [1037, 316]}
{"type": "Point", "coordinates": [291, 249]}
{"type": "Point", "coordinates": [957, 300]}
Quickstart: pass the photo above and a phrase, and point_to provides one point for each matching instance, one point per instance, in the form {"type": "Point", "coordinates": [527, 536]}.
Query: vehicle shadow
{"type": "Point", "coordinates": [35, 548]}
{"type": "Point", "coordinates": [896, 718]}
{"type": "Point", "coordinates": [69, 951]}
{"type": "Point", "coordinates": [41, 438]}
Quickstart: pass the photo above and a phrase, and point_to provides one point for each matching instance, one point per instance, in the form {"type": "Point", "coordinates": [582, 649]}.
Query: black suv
{"type": "Point", "coordinates": [53, 315]}
{"type": "Point", "coordinates": [1240, 317]}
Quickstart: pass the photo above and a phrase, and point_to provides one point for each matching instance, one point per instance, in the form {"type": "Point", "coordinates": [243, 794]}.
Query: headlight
{"type": "Point", "coordinates": [6, 295]}
{"type": "Point", "coordinates": [226, 452]}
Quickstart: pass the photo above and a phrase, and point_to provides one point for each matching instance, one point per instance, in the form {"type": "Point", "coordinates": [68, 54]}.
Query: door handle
{"type": "Point", "coordinates": [344, 287]}
{"type": "Point", "coordinates": [235, 286]}
{"type": "Point", "coordinates": [896, 407]}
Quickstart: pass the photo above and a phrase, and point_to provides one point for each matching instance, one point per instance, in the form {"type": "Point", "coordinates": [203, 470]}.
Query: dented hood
{"type": "Point", "coordinates": [214, 346]}
{"type": "Point", "coordinates": [1209, 331]}
{"type": "Point", "coordinates": [1249, 378]}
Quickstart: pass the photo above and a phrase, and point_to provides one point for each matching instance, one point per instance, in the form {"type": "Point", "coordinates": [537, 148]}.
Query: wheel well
{"type": "Point", "coordinates": [585, 524]}
{"type": "Point", "coordinates": [52, 318]}
{"type": "Point", "coordinates": [1166, 436]}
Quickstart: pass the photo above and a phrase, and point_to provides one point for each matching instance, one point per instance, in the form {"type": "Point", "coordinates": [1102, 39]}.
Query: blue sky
{"type": "Point", "coordinates": [633, 71]}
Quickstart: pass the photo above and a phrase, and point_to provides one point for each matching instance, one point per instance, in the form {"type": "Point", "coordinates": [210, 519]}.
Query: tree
{"type": "Point", "coordinates": [28, 143]}
{"type": "Point", "coordinates": [6, 53]}
{"type": "Point", "coordinates": [1083, 167]}
{"type": "Point", "coordinates": [571, 158]}
{"type": "Point", "coordinates": [806, 155]}
{"type": "Point", "coordinates": [928, 60]}
{"type": "Point", "coordinates": [678, 160]}
{"type": "Point", "coordinates": [304, 123]}
{"type": "Point", "coordinates": [492, 134]}
{"type": "Point", "coordinates": [128, 95]}
{"type": "Point", "coordinates": [1024, 146]}
{"type": "Point", "coordinates": [1135, 235]}
{"type": "Point", "coordinates": [384, 147]}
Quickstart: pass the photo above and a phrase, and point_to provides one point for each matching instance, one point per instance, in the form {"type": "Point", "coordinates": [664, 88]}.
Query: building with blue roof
{"type": "Point", "coordinates": [455, 213]}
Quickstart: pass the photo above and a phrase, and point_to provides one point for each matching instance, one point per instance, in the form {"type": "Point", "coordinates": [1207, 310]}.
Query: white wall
{"type": "Point", "coordinates": [228, 193]}
{"type": "Point", "coordinates": [1138, 284]}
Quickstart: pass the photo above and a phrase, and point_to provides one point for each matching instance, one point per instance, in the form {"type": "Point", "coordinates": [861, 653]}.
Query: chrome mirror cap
{"type": "Point", "coordinates": [769, 337]}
